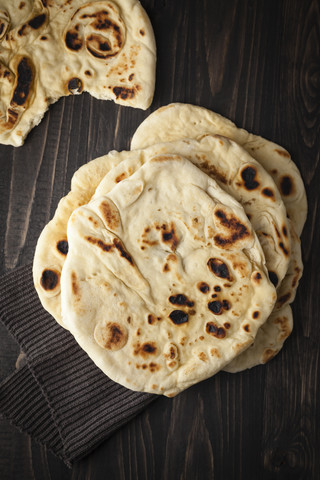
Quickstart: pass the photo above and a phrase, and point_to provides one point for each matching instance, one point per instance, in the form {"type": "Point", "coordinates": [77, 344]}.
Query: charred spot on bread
{"type": "Point", "coordinates": [237, 231]}
{"type": "Point", "coordinates": [181, 299]}
{"type": "Point", "coordinates": [75, 86]}
{"type": "Point", "coordinates": [219, 268]}
{"type": "Point", "coordinates": [214, 330]}
{"type": "Point", "coordinates": [215, 307]}
{"type": "Point", "coordinates": [49, 279]}
{"type": "Point", "coordinates": [249, 177]}
{"type": "Point", "coordinates": [203, 287]}
{"type": "Point", "coordinates": [62, 246]}
{"type": "Point", "coordinates": [178, 317]}
{"type": "Point", "coordinates": [286, 185]}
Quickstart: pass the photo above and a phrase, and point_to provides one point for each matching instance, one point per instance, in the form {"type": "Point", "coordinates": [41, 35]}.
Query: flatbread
{"type": "Point", "coordinates": [268, 342]}
{"type": "Point", "coordinates": [225, 161]}
{"type": "Point", "coordinates": [55, 48]}
{"type": "Point", "coordinates": [164, 282]}
{"type": "Point", "coordinates": [49, 260]}
{"type": "Point", "coordinates": [217, 156]}
{"type": "Point", "coordinates": [52, 246]}
{"type": "Point", "coordinates": [242, 177]}
{"type": "Point", "coordinates": [178, 120]}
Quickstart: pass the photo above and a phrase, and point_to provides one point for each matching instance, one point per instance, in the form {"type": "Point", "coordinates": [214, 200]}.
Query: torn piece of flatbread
{"type": "Point", "coordinates": [164, 281]}
{"type": "Point", "coordinates": [54, 48]}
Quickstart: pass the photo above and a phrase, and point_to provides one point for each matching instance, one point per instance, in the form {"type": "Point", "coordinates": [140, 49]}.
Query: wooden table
{"type": "Point", "coordinates": [258, 63]}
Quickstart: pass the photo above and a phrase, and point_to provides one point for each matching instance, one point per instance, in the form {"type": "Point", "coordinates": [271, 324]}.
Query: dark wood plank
{"type": "Point", "coordinates": [256, 62]}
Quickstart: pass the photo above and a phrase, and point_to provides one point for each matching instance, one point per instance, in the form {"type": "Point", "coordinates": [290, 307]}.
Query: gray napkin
{"type": "Point", "coordinates": [59, 396]}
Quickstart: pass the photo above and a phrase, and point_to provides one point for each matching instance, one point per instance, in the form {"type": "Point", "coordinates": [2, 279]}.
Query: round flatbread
{"type": "Point", "coordinates": [65, 47]}
{"type": "Point", "coordinates": [164, 282]}
{"type": "Point", "coordinates": [234, 169]}
{"type": "Point", "coordinates": [242, 177]}
{"type": "Point", "coordinates": [225, 161]}
{"type": "Point", "coordinates": [178, 120]}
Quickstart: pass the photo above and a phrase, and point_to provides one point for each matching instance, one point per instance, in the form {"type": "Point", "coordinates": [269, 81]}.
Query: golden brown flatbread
{"type": "Point", "coordinates": [164, 281]}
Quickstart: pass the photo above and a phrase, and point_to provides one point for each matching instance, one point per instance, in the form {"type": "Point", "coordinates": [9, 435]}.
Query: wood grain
{"type": "Point", "coordinates": [258, 63]}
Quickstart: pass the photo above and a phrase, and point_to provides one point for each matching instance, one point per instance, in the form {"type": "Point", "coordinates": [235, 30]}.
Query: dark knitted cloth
{"type": "Point", "coordinates": [59, 397]}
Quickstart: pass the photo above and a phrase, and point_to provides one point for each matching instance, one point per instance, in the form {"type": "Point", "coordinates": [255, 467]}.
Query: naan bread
{"type": "Point", "coordinates": [178, 120]}
{"type": "Point", "coordinates": [242, 177]}
{"type": "Point", "coordinates": [52, 245]}
{"type": "Point", "coordinates": [217, 156]}
{"type": "Point", "coordinates": [54, 48]}
{"type": "Point", "coordinates": [226, 162]}
{"type": "Point", "coordinates": [164, 282]}
{"type": "Point", "coordinates": [212, 154]}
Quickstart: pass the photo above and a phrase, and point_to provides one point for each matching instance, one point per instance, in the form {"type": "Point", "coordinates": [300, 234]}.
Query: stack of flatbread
{"type": "Point", "coordinates": [180, 257]}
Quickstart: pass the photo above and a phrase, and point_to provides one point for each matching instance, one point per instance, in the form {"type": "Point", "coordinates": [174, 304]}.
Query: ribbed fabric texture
{"type": "Point", "coordinates": [59, 397]}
